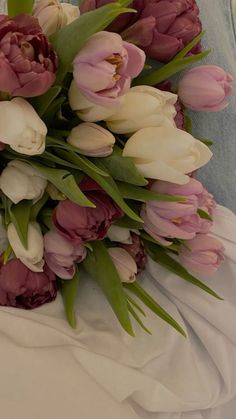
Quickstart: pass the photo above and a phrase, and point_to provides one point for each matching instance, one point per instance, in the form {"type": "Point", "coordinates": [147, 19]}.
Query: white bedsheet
{"type": "Point", "coordinates": [49, 371]}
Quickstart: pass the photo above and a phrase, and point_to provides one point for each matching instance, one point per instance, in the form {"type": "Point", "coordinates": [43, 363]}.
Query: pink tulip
{"type": "Point", "coordinates": [105, 66]}
{"type": "Point", "coordinates": [205, 88]}
{"type": "Point", "coordinates": [61, 255]}
{"type": "Point", "coordinates": [203, 254]}
{"type": "Point", "coordinates": [28, 63]}
{"type": "Point", "coordinates": [176, 219]}
{"type": "Point", "coordinates": [124, 263]}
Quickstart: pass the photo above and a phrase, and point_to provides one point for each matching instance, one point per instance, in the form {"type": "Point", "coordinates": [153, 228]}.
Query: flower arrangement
{"type": "Point", "coordinates": [97, 155]}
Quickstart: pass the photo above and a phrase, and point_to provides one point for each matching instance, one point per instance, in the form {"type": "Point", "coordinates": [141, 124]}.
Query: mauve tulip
{"type": "Point", "coordinates": [80, 224]}
{"type": "Point", "coordinates": [137, 251]}
{"type": "Point", "coordinates": [180, 220]}
{"type": "Point", "coordinates": [203, 254]}
{"type": "Point", "coordinates": [124, 263]}
{"type": "Point", "coordinates": [161, 27]}
{"type": "Point", "coordinates": [105, 66]}
{"type": "Point", "coordinates": [61, 255]}
{"type": "Point", "coordinates": [205, 88]}
{"type": "Point", "coordinates": [28, 63]}
{"type": "Point", "coordinates": [22, 288]}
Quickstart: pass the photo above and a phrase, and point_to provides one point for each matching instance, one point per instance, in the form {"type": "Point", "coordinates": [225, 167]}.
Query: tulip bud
{"type": "Point", "coordinates": [21, 127]}
{"type": "Point", "coordinates": [92, 140]}
{"type": "Point", "coordinates": [32, 257]}
{"type": "Point", "coordinates": [205, 88]}
{"type": "Point", "coordinates": [85, 109]}
{"type": "Point", "coordinates": [119, 234]}
{"type": "Point", "coordinates": [143, 106]}
{"type": "Point", "coordinates": [53, 15]}
{"type": "Point", "coordinates": [166, 153]}
{"type": "Point", "coordinates": [21, 181]}
{"type": "Point", "coordinates": [124, 263]}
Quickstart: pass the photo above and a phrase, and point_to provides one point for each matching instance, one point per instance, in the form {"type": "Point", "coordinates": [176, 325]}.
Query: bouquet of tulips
{"type": "Point", "coordinates": [97, 156]}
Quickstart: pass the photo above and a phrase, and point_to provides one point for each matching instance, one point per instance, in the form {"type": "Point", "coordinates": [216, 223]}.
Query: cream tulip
{"type": "Point", "coordinates": [20, 181]}
{"type": "Point", "coordinates": [92, 140]}
{"type": "Point", "coordinates": [86, 110]}
{"type": "Point", "coordinates": [53, 15]}
{"type": "Point", "coordinates": [143, 106]}
{"type": "Point", "coordinates": [32, 257]}
{"type": "Point", "coordinates": [21, 127]}
{"type": "Point", "coordinates": [124, 263]}
{"type": "Point", "coordinates": [119, 234]}
{"type": "Point", "coordinates": [166, 153]}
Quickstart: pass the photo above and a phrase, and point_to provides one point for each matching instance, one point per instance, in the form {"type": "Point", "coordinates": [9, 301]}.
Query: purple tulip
{"type": "Point", "coordinates": [179, 220]}
{"type": "Point", "coordinates": [203, 254]}
{"type": "Point", "coordinates": [61, 254]}
{"type": "Point", "coordinates": [136, 250]}
{"type": "Point", "coordinates": [28, 63]}
{"type": "Point", "coordinates": [160, 27]}
{"type": "Point", "coordinates": [22, 288]}
{"type": "Point", "coordinates": [105, 66]}
{"type": "Point", "coordinates": [205, 88]}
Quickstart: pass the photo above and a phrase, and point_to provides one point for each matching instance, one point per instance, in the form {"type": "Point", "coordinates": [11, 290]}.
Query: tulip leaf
{"type": "Point", "coordinates": [138, 320]}
{"type": "Point", "coordinates": [122, 168]}
{"type": "Point", "coordinates": [65, 182]}
{"type": "Point", "coordinates": [127, 222]}
{"type": "Point", "coordinates": [188, 124]}
{"type": "Point", "coordinates": [135, 304]}
{"type": "Point", "coordinates": [106, 183]}
{"type": "Point", "coordinates": [20, 217]}
{"type": "Point", "coordinates": [190, 46]}
{"type": "Point", "coordinates": [101, 268]}
{"type": "Point", "coordinates": [81, 29]}
{"type": "Point", "coordinates": [69, 291]}
{"type": "Point", "coordinates": [160, 256]}
{"type": "Point", "coordinates": [17, 7]}
{"type": "Point", "coordinates": [143, 195]}
{"type": "Point", "coordinates": [36, 208]}
{"type": "Point", "coordinates": [42, 103]}
{"type": "Point", "coordinates": [203, 214]}
{"type": "Point", "coordinates": [137, 290]}
{"type": "Point", "coordinates": [206, 141]}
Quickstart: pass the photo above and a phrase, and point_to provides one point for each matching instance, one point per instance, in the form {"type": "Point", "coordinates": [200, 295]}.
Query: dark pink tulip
{"type": "Point", "coordinates": [22, 288]}
{"type": "Point", "coordinates": [80, 224]}
{"type": "Point", "coordinates": [205, 88]}
{"type": "Point", "coordinates": [136, 250]}
{"type": "Point", "coordinates": [203, 254]}
{"type": "Point", "coordinates": [27, 62]}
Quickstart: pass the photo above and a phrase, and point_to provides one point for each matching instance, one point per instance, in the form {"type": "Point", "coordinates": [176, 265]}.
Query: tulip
{"type": "Point", "coordinates": [20, 181]}
{"type": "Point", "coordinates": [92, 140]}
{"type": "Point", "coordinates": [124, 263]}
{"type": "Point", "coordinates": [137, 251]}
{"type": "Point", "coordinates": [27, 61]}
{"type": "Point", "coordinates": [166, 153]}
{"type": "Point", "coordinates": [61, 255]}
{"type": "Point", "coordinates": [203, 254]}
{"type": "Point", "coordinates": [22, 288]}
{"type": "Point", "coordinates": [143, 106]}
{"type": "Point", "coordinates": [205, 88]}
{"type": "Point", "coordinates": [105, 66]}
{"type": "Point", "coordinates": [32, 257]}
{"type": "Point", "coordinates": [85, 109]}
{"type": "Point", "coordinates": [175, 219]}
{"type": "Point", "coordinates": [53, 15]}
{"type": "Point", "coordinates": [21, 127]}
{"type": "Point", "coordinates": [119, 234]}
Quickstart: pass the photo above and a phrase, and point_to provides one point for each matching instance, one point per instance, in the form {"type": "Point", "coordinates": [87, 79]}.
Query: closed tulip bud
{"type": "Point", "coordinates": [205, 88]}
{"type": "Point", "coordinates": [143, 106]}
{"type": "Point", "coordinates": [124, 263]}
{"type": "Point", "coordinates": [85, 109]}
{"type": "Point", "coordinates": [32, 257]}
{"type": "Point", "coordinates": [166, 153]}
{"type": "Point", "coordinates": [92, 140]}
{"type": "Point", "coordinates": [53, 15]}
{"type": "Point", "coordinates": [21, 127]}
{"type": "Point", "coordinates": [119, 234]}
{"type": "Point", "coordinates": [20, 181]}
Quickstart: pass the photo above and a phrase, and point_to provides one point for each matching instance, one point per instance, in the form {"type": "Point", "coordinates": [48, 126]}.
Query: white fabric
{"type": "Point", "coordinates": [49, 371]}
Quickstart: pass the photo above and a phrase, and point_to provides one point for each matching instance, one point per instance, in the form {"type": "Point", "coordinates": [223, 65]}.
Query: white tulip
{"type": "Point", "coordinates": [86, 110]}
{"type": "Point", "coordinates": [33, 256]}
{"type": "Point", "coordinates": [119, 234]}
{"type": "Point", "coordinates": [53, 15]}
{"type": "Point", "coordinates": [166, 153]}
{"type": "Point", "coordinates": [143, 106]}
{"type": "Point", "coordinates": [20, 181]}
{"type": "Point", "coordinates": [124, 263]}
{"type": "Point", "coordinates": [92, 140]}
{"type": "Point", "coordinates": [21, 127]}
